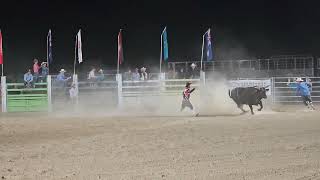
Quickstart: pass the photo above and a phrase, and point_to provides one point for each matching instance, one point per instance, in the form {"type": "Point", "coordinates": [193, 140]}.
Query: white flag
{"type": "Point", "coordinates": [79, 46]}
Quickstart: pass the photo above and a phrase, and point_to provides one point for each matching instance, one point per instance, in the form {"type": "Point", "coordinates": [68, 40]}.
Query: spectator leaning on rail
{"type": "Point", "coordinates": [136, 75]}
{"type": "Point", "coordinates": [36, 69]}
{"type": "Point", "coordinates": [44, 71]}
{"type": "Point", "coordinates": [92, 77]}
{"type": "Point", "coordinates": [144, 74]}
{"type": "Point", "coordinates": [128, 75]}
{"type": "Point", "coordinates": [28, 79]}
{"type": "Point", "coordinates": [100, 76]}
{"type": "Point", "coordinates": [303, 89]}
{"type": "Point", "coordinates": [61, 79]}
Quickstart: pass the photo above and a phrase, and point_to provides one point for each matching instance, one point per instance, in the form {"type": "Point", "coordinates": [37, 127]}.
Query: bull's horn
{"type": "Point", "coordinates": [267, 86]}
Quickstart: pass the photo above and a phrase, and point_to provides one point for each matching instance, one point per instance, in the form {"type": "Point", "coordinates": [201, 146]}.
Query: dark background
{"type": "Point", "coordinates": [240, 29]}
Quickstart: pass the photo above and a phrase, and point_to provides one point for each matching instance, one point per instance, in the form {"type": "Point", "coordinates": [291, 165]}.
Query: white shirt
{"type": "Point", "coordinates": [73, 93]}
{"type": "Point", "coordinates": [91, 75]}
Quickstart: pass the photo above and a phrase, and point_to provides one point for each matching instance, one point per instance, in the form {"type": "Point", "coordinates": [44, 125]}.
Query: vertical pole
{"type": "Point", "coordinates": [1, 69]}
{"type": "Point", "coordinates": [75, 56]}
{"type": "Point", "coordinates": [48, 53]}
{"type": "Point", "coordinates": [4, 93]}
{"type": "Point", "coordinates": [119, 80]}
{"type": "Point", "coordinates": [49, 93]}
{"type": "Point", "coordinates": [202, 78]}
{"type": "Point", "coordinates": [118, 63]}
{"type": "Point", "coordinates": [202, 51]}
{"type": "Point", "coordinates": [174, 70]}
{"type": "Point", "coordinates": [75, 82]}
{"type": "Point", "coordinates": [162, 79]}
{"type": "Point", "coordinates": [161, 51]}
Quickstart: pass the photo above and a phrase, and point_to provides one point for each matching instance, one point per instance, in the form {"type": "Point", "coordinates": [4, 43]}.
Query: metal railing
{"type": "Point", "coordinates": [282, 93]}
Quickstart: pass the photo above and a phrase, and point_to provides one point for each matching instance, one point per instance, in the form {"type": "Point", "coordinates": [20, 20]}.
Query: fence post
{"type": "Point", "coordinates": [49, 92]}
{"type": "Point", "coordinates": [202, 77]}
{"type": "Point", "coordinates": [273, 90]}
{"type": "Point", "coordinates": [4, 93]}
{"type": "Point", "coordinates": [119, 81]}
{"type": "Point", "coordinates": [162, 79]}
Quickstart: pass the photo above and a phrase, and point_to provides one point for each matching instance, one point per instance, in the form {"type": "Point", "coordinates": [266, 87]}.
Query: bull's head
{"type": "Point", "coordinates": [263, 92]}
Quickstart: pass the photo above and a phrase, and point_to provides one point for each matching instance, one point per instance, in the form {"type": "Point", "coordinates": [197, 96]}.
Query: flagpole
{"type": "Point", "coordinates": [75, 56]}
{"type": "Point", "coordinates": [118, 64]}
{"type": "Point", "coordinates": [2, 53]}
{"type": "Point", "coordinates": [48, 52]}
{"type": "Point", "coordinates": [161, 50]}
{"type": "Point", "coordinates": [202, 50]}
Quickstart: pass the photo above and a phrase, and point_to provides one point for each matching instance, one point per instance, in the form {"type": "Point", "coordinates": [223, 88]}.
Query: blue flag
{"type": "Point", "coordinates": [208, 46]}
{"type": "Point", "coordinates": [165, 45]}
{"type": "Point", "coordinates": [49, 47]}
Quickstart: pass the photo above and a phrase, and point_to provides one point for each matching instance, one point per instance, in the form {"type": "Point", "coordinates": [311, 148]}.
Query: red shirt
{"type": "Point", "coordinates": [186, 93]}
{"type": "Point", "coordinates": [36, 68]}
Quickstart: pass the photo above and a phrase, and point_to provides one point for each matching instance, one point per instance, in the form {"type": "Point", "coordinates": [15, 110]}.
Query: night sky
{"type": "Point", "coordinates": [240, 29]}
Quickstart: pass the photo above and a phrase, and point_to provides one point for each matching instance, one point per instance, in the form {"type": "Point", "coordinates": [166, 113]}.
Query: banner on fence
{"type": "Point", "coordinates": [250, 83]}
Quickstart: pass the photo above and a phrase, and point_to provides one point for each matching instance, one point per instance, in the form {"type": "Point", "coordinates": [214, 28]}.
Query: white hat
{"type": "Point", "coordinates": [299, 80]}
{"type": "Point", "coordinates": [62, 70]}
{"type": "Point", "coordinates": [193, 65]}
{"type": "Point", "coordinates": [100, 70]}
{"type": "Point", "coordinates": [143, 69]}
{"type": "Point", "coordinates": [43, 63]}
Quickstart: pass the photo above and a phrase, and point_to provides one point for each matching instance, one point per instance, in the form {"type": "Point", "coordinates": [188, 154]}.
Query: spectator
{"type": "Point", "coordinates": [182, 74]}
{"type": "Point", "coordinates": [61, 79]}
{"type": "Point", "coordinates": [28, 79]}
{"type": "Point", "coordinates": [92, 77]}
{"type": "Point", "coordinates": [100, 76]}
{"type": "Point", "coordinates": [44, 71]}
{"type": "Point", "coordinates": [92, 74]}
{"type": "Point", "coordinates": [136, 75]}
{"type": "Point", "coordinates": [128, 75]}
{"type": "Point", "coordinates": [36, 69]}
{"type": "Point", "coordinates": [144, 74]}
{"type": "Point", "coordinates": [193, 72]}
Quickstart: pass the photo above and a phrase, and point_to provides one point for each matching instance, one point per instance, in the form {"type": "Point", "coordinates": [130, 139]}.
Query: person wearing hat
{"type": "Point", "coordinates": [303, 89]}
{"type": "Point", "coordinates": [186, 98]}
{"type": "Point", "coordinates": [61, 78]}
{"type": "Point", "coordinates": [100, 76]}
{"type": "Point", "coordinates": [44, 71]}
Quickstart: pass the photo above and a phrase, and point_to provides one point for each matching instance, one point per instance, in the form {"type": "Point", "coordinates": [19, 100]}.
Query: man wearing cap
{"type": "Point", "coordinates": [186, 98]}
{"type": "Point", "coordinates": [303, 89]}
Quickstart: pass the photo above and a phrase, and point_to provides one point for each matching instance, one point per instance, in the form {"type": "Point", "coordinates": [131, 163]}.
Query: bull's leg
{"type": "Point", "coordinates": [240, 106]}
{"type": "Point", "coordinates": [261, 106]}
{"type": "Point", "coordinates": [251, 109]}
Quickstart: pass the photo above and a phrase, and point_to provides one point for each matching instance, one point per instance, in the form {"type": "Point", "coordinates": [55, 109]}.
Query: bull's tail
{"type": "Point", "coordinates": [229, 92]}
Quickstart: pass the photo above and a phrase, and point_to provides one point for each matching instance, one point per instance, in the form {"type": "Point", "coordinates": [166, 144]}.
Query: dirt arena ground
{"type": "Point", "coordinates": [268, 145]}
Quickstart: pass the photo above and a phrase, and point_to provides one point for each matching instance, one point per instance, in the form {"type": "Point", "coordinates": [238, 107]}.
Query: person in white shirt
{"type": "Point", "coordinates": [144, 74]}
{"type": "Point", "coordinates": [92, 77]}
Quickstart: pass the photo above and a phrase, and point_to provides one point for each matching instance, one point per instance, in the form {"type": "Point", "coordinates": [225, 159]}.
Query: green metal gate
{"type": "Point", "coordinates": [21, 99]}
